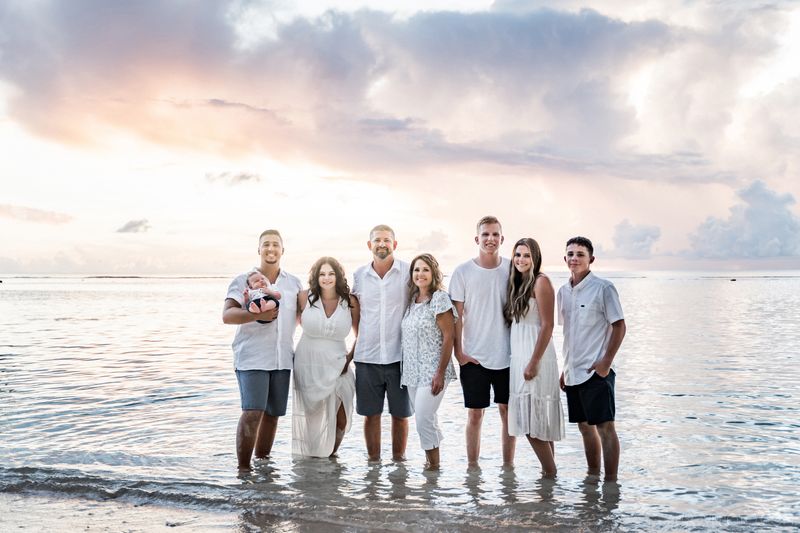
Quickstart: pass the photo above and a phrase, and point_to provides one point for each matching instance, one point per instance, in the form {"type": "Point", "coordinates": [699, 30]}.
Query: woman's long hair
{"type": "Point", "coordinates": [520, 284]}
{"type": "Point", "coordinates": [436, 276]}
{"type": "Point", "coordinates": [342, 288]}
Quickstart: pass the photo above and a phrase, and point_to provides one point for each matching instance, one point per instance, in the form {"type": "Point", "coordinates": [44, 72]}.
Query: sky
{"type": "Point", "coordinates": [161, 137]}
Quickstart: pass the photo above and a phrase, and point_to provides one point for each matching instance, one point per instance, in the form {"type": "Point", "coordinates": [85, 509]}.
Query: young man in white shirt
{"type": "Point", "coordinates": [482, 345]}
{"type": "Point", "coordinates": [594, 326]}
{"type": "Point", "coordinates": [262, 351]}
{"type": "Point", "coordinates": [381, 288]}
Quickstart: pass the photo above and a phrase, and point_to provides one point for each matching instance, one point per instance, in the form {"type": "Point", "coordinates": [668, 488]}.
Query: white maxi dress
{"type": "Point", "coordinates": [319, 385]}
{"type": "Point", "coordinates": [534, 407]}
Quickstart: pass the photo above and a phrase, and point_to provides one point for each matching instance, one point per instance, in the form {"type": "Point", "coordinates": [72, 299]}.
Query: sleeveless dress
{"type": "Point", "coordinates": [319, 385]}
{"type": "Point", "coordinates": [534, 407]}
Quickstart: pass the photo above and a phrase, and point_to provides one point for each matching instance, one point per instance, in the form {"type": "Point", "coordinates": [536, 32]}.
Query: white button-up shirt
{"type": "Point", "coordinates": [267, 346]}
{"type": "Point", "coordinates": [382, 302]}
{"type": "Point", "coordinates": [586, 311]}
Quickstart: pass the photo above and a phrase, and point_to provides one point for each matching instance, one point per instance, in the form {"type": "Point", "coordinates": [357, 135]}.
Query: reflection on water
{"type": "Point", "coordinates": [140, 403]}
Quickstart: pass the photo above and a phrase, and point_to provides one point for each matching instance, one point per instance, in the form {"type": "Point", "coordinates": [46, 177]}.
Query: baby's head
{"type": "Point", "coordinates": [257, 280]}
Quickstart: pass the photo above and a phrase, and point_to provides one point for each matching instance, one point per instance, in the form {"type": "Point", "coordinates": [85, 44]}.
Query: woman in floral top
{"type": "Point", "coordinates": [427, 339]}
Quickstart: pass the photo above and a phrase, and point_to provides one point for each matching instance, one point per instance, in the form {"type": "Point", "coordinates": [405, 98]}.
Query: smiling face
{"type": "Point", "coordinates": [422, 276]}
{"type": "Point", "coordinates": [327, 277]}
{"type": "Point", "coordinates": [578, 260]}
{"type": "Point", "coordinates": [522, 259]}
{"type": "Point", "coordinates": [270, 248]}
{"type": "Point", "coordinates": [382, 244]}
{"type": "Point", "coordinates": [489, 238]}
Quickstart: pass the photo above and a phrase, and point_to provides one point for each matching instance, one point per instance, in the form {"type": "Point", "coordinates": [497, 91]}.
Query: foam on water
{"type": "Point", "coordinates": [123, 390]}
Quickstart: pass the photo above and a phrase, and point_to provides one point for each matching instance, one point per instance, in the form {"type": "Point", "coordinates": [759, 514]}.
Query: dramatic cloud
{"type": "Point", "coordinates": [762, 226]}
{"type": "Point", "coordinates": [233, 178]}
{"type": "Point", "coordinates": [135, 226]}
{"type": "Point", "coordinates": [29, 214]}
{"type": "Point", "coordinates": [634, 241]}
{"type": "Point", "coordinates": [516, 86]}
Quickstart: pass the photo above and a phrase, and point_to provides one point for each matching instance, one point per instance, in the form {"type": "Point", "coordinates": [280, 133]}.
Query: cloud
{"type": "Point", "coordinates": [366, 92]}
{"type": "Point", "coordinates": [634, 241]}
{"type": "Point", "coordinates": [30, 214]}
{"type": "Point", "coordinates": [763, 225]}
{"type": "Point", "coordinates": [233, 178]}
{"type": "Point", "coordinates": [435, 242]}
{"type": "Point", "coordinates": [135, 226]}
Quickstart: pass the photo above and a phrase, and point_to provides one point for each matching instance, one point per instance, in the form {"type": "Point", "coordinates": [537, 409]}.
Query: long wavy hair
{"type": "Point", "coordinates": [342, 288]}
{"type": "Point", "coordinates": [436, 276]}
{"type": "Point", "coordinates": [520, 284]}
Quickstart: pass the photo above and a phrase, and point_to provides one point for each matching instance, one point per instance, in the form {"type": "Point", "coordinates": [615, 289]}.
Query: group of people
{"type": "Point", "coordinates": [496, 319]}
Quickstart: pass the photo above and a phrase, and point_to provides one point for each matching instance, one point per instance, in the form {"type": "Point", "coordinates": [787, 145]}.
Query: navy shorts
{"type": "Point", "coordinates": [264, 390]}
{"type": "Point", "coordinates": [376, 381]}
{"type": "Point", "coordinates": [476, 382]}
{"type": "Point", "coordinates": [593, 400]}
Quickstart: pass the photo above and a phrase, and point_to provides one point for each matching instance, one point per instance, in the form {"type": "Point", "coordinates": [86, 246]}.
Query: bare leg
{"type": "Point", "coordinates": [341, 424]}
{"type": "Point", "coordinates": [266, 435]}
{"type": "Point", "coordinates": [544, 452]}
{"type": "Point", "coordinates": [432, 459]}
{"type": "Point", "coordinates": [591, 447]}
{"type": "Point", "coordinates": [399, 438]}
{"type": "Point", "coordinates": [610, 442]}
{"type": "Point", "coordinates": [246, 433]}
{"type": "Point", "coordinates": [509, 442]}
{"type": "Point", "coordinates": [372, 435]}
{"type": "Point", "coordinates": [473, 434]}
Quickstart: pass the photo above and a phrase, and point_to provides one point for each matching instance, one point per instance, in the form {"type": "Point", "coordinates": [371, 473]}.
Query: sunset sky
{"type": "Point", "coordinates": [161, 137]}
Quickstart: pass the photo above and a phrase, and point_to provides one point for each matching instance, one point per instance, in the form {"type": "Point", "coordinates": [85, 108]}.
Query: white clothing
{"type": "Point", "coordinates": [425, 407]}
{"type": "Point", "coordinates": [534, 407]}
{"type": "Point", "coordinates": [382, 302]}
{"type": "Point", "coordinates": [266, 346]}
{"type": "Point", "coordinates": [422, 341]}
{"type": "Point", "coordinates": [319, 385]}
{"type": "Point", "coordinates": [483, 292]}
{"type": "Point", "coordinates": [586, 311]}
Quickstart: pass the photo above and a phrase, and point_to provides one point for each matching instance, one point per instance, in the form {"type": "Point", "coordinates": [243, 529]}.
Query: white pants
{"type": "Point", "coordinates": [425, 406]}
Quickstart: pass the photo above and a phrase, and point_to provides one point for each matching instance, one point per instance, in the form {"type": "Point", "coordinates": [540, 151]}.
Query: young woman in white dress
{"type": "Point", "coordinates": [534, 405]}
{"type": "Point", "coordinates": [324, 383]}
{"type": "Point", "coordinates": [428, 331]}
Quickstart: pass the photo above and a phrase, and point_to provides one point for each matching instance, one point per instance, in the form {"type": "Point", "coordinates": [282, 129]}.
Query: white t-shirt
{"type": "Point", "coordinates": [485, 335]}
{"type": "Point", "coordinates": [266, 346]}
{"type": "Point", "coordinates": [586, 311]}
{"type": "Point", "coordinates": [382, 302]}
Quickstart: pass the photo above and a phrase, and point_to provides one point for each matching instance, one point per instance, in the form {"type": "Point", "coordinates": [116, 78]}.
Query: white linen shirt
{"type": "Point", "coordinates": [485, 334]}
{"type": "Point", "coordinates": [382, 302]}
{"type": "Point", "coordinates": [267, 346]}
{"type": "Point", "coordinates": [586, 311]}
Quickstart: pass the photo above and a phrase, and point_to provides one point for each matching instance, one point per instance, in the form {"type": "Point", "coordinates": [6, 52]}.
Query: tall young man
{"type": "Point", "coordinates": [482, 345]}
{"type": "Point", "coordinates": [590, 311]}
{"type": "Point", "coordinates": [381, 287]}
{"type": "Point", "coordinates": [262, 352]}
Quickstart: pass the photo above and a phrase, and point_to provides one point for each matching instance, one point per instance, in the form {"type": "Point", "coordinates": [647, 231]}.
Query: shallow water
{"type": "Point", "coordinates": [123, 389]}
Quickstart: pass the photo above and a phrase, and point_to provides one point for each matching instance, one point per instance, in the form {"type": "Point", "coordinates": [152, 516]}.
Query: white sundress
{"type": "Point", "coordinates": [534, 407]}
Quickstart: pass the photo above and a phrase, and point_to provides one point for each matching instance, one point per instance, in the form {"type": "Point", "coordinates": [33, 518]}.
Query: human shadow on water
{"type": "Point", "coordinates": [544, 487]}
{"type": "Point", "coordinates": [508, 484]}
{"type": "Point", "coordinates": [600, 500]}
{"type": "Point", "coordinates": [398, 481]}
{"type": "Point", "coordinates": [474, 483]}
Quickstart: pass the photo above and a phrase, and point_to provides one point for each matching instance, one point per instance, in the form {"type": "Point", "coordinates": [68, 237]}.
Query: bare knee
{"type": "Point", "coordinates": [586, 429]}
{"type": "Point", "coordinates": [606, 429]}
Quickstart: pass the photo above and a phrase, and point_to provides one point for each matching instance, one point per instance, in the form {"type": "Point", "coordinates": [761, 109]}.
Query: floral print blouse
{"type": "Point", "coordinates": [422, 341]}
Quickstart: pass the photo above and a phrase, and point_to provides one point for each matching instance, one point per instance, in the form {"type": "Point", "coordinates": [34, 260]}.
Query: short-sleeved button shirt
{"type": "Point", "coordinates": [266, 346]}
{"type": "Point", "coordinates": [586, 311]}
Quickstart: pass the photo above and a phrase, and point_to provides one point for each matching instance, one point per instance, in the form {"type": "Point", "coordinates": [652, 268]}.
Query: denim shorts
{"type": "Point", "coordinates": [264, 390]}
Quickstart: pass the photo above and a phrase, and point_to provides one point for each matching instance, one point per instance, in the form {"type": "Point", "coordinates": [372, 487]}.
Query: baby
{"type": "Point", "coordinates": [262, 295]}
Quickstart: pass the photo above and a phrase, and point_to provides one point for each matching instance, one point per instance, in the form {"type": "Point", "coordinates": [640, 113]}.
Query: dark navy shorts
{"type": "Point", "coordinates": [477, 381]}
{"type": "Point", "coordinates": [264, 390]}
{"type": "Point", "coordinates": [593, 400]}
{"type": "Point", "coordinates": [376, 381]}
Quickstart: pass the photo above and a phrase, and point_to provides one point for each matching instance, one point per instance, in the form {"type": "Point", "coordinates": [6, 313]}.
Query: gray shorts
{"type": "Point", "coordinates": [264, 390]}
{"type": "Point", "coordinates": [376, 381]}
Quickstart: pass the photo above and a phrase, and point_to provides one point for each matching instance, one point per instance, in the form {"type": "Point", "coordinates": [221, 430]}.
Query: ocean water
{"type": "Point", "coordinates": [123, 389]}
